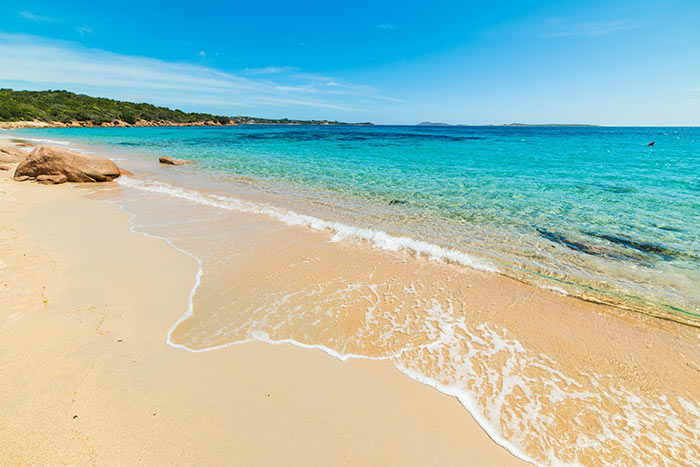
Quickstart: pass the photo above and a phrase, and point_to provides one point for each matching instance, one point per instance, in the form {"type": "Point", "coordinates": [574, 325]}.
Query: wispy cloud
{"type": "Point", "coordinates": [387, 26]}
{"type": "Point", "coordinates": [590, 28]}
{"type": "Point", "coordinates": [34, 62]}
{"type": "Point", "coordinates": [318, 84]}
{"type": "Point", "coordinates": [33, 17]}
{"type": "Point", "coordinates": [286, 102]}
{"type": "Point", "coordinates": [316, 77]}
{"type": "Point", "coordinates": [269, 70]}
{"type": "Point", "coordinates": [83, 30]}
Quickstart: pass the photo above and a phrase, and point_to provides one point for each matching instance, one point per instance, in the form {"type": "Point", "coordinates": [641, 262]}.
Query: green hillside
{"type": "Point", "coordinates": [65, 106]}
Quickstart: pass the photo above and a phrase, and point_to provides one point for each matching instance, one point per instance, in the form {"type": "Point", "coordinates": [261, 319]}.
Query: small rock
{"type": "Point", "coordinates": [56, 179]}
{"type": "Point", "coordinates": [22, 178]}
{"type": "Point", "coordinates": [125, 172]}
{"type": "Point", "coordinates": [4, 167]}
{"type": "Point", "coordinates": [173, 161]}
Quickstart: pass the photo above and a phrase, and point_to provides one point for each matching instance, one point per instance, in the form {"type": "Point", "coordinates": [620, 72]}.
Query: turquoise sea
{"type": "Point", "coordinates": [586, 210]}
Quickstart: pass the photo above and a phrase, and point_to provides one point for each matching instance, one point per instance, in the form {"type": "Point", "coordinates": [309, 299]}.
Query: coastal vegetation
{"type": "Point", "coordinates": [68, 108]}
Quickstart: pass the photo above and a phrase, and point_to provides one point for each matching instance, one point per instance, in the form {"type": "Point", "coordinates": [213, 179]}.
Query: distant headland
{"type": "Point", "coordinates": [44, 109]}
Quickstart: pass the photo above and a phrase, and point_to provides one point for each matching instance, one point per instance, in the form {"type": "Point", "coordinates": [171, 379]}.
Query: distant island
{"type": "Point", "coordinates": [22, 109]}
{"type": "Point", "coordinates": [434, 124]}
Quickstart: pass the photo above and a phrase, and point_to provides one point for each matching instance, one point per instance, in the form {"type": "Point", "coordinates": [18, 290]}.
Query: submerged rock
{"type": "Point", "coordinates": [587, 248]}
{"type": "Point", "coordinates": [396, 201]}
{"type": "Point", "coordinates": [648, 248]}
{"type": "Point", "coordinates": [4, 167]}
{"type": "Point", "coordinates": [172, 161]}
{"type": "Point", "coordinates": [76, 167]}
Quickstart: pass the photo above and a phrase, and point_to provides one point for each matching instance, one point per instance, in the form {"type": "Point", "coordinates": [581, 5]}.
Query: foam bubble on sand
{"type": "Point", "coordinates": [554, 288]}
{"type": "Point", "coordinates": [340, 231]}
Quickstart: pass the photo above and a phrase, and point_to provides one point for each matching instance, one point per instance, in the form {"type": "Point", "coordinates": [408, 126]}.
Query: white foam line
{"type": "Point", "coordinates": [43, 140]}
{"type": "Point", "coordinates": [377, 238]}
{"type": "Point", "coordinates": [259, 336]}
{"type": "Point", "coordinates": [197, 280]}
{"type": "Point", "coordinates": [468, 403]}
{"type": "Point", "coordinates": [39, 141]}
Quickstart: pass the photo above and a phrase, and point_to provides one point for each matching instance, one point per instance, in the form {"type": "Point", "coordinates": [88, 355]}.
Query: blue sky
{"type": "Point", "coordinates": [603, 62]}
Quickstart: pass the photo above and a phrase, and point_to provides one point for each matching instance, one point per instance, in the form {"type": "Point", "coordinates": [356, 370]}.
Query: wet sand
{"type": "Point", "coordinates": [86, 376]}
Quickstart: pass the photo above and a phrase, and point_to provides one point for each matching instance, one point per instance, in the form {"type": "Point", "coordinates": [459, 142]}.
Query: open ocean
{"type": "Point", "coordinates": [590, 211]}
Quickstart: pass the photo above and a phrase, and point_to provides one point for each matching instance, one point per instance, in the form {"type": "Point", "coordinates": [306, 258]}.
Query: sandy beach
{"type": "Point", "coordinates": [87, 378]}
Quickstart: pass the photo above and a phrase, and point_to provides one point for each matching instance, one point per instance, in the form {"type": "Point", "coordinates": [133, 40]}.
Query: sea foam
{"type": "Point", "coordinates": [376, 238]}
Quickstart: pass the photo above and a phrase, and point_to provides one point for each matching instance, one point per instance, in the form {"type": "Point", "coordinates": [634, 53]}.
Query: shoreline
{"type": "Point", "coordinates": [309, 207]}
{"type": "Point", "coordinates": [99, 383]}
{"type": "Point", "coordinates": [562, 339]}
{"type": "Point", "coordinates": [115, 124]}
{"type": "Point", "coordinates": [391, 241]}
{"type": "Point", "coordinates": [144, 124]}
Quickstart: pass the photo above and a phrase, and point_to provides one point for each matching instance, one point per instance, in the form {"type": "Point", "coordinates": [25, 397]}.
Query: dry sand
{"type": "Point", "coordinates": [87, 378]}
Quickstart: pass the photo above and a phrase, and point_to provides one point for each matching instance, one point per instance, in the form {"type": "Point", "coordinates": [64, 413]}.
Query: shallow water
{"type": "Point", "coordinates": [596, 209]}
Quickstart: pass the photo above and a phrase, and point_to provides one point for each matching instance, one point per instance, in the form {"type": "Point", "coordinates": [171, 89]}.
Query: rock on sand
{"type": "Point", "coordinates": [76, 167]}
